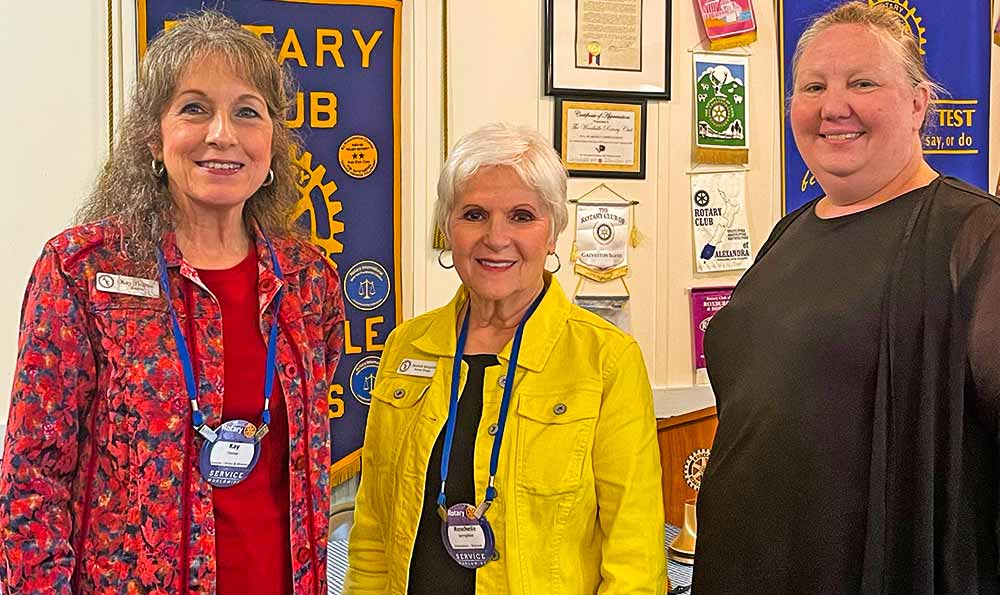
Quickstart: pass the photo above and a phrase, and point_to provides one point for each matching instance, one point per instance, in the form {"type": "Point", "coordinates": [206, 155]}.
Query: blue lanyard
{"type": "Point", "coordinates": [197, 417]}
{"type": "Point", "coordinates": [508, 387]}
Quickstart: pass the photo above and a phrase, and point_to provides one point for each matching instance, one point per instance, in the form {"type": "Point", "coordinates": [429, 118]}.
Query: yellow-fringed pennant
{"type": "Point", "coordinates": [720, 90]}
{"type": "Point", "coordinates": [604, 232]}
{"type": "Point", "coordinates": [728, 24]}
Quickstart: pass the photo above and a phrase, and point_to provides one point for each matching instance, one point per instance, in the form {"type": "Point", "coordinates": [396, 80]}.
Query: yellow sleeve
{"type": "Point", "coordinates": [367, 567]}
{"type": "Point", "coordinates": [629, 490]}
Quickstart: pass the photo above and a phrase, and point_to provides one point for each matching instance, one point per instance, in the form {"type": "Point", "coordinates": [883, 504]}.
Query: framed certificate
{"type": "Point", "coordinates": [601, 139]}
{"type": "Point", "coordinates": [608, 48]}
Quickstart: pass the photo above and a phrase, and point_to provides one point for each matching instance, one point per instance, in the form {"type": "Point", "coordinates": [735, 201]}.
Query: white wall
{"type": "Point", "coordinates": [56, 136]}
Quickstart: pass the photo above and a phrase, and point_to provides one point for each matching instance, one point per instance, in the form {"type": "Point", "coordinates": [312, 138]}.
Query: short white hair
{"type": "Point", "coordinates": [523, 150]}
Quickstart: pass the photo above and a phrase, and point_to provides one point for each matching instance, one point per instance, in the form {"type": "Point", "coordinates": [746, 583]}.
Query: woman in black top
{"type": "Point", "coordinates": [855, 366]}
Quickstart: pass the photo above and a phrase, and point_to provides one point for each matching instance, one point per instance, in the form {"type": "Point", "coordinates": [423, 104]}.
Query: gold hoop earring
{"type": "Point", "coordinates": [441, 263]}
{"type": "Point", "coordinates": [558, 264]}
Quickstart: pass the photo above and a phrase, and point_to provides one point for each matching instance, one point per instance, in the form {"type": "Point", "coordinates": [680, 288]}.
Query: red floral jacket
{"type": "Point", "coordinates": [99, 489]}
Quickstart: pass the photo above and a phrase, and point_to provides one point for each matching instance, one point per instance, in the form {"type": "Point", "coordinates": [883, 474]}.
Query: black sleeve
{"type": "Point", "coordinates": [976, 275]}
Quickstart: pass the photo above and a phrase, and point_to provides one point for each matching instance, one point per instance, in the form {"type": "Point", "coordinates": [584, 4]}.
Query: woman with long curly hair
{"type": "Point", "coordinates": [168, 426]}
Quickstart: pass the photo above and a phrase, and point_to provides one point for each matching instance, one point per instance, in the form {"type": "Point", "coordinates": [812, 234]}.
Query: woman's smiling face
{"type": "Point", "coordinates": [855, 114]}
{"type": "Point", "coordinates": [216, 133]}
{"type": "Point", "coordinates": [500, 236]}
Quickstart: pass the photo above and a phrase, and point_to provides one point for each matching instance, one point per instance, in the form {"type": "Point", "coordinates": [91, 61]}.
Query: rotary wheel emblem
{"type": "Point", "coordinates": [909, 15]}
{"type": "Point", "coordinates": [719, 113]}
{"type": "Point", "coordinates": [316, 208]}
{"type": "Point", "coordinates": [694, 467]}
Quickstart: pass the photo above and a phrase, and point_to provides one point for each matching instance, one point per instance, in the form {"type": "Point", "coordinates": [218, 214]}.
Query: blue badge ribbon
{"type": "Point", "coordinates": [508, 387]}
{"type": "Point", "coordinates": [197, 417]}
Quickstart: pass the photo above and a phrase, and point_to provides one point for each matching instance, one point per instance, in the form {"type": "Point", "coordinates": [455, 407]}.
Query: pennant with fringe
{"type": "Point", "coordinates": [720, 84]}
{"type": "Point", "coordinates": [602, 239]}
{"type": "Point", "coordinates": [605, 229]}
{"type": "Point", "coordinates": [729, 23]}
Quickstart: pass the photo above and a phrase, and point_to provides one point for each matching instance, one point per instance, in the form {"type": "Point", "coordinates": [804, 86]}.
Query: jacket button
{"type": "Point", "coordinates": [291, 371]}
{"type": "Point", "coordinates": [302, 555]}
{"type": "Point", "coordinates": [399, 393]}
{"type": "Point", "coordinates": [502, 382]}
{"type": "Point", "coordinates": [559, 409]}
{"type": "Point", "coordinates": [267, 285]}
{"type": "Point", "coordinates": [496, 555]}
{"type": "Point", "coordinates": [493, 430]}
{"type": "Point", "coordinates": [299, 464]}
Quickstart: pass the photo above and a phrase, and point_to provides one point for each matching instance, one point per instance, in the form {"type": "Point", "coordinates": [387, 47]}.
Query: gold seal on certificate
{"type": "Point", "coordinates": [615, 28]}
{"type": "Point", "coordinates": [602, 138]}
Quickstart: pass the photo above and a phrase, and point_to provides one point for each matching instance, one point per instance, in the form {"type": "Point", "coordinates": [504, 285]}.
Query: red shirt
{"type": "Point", "coordinates": [252, 517]}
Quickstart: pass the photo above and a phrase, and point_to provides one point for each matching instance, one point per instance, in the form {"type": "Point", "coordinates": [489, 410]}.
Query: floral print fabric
{"type": "Point", "coordinates": [100, 487]}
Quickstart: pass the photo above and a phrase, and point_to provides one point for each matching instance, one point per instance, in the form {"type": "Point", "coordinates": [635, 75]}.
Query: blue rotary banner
{"type": "Point", "coordinates": [345, 55]}
{"type": "Point", "coordinates": [955, 39]}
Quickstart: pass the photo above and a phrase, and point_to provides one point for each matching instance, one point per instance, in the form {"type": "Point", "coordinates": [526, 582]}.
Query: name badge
{"type": "Point", "coordinates": [229, 460]}
{"type": "Point", "coordinates": [111, 283]}
{"type": "Point", "coordinates": [417, 367]}
{"type": "Point", "coordinates": [468, 540]}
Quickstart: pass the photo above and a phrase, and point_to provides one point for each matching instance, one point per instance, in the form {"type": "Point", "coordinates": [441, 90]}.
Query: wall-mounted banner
{"type": "Point", "coordinates": [955, 39]}
{"type": "Point", "coordinates": [345, 55]}
{"type": "Point", "coordinates": [720, 89]}
{"type": "Point", "coordinates": [705, 302]}
{"type": "Point", "coordinates": [721, 235]}
{"type": "Point", "coordinates": [729, 23]}
{"type": "Point", "coordinates": [602, 238]}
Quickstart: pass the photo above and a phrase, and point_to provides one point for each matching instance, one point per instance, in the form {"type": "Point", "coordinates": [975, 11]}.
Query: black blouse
{"type": "Point", "coordinates": [794, 363]}
{"type": "Point", "coordinates": [432, 571]}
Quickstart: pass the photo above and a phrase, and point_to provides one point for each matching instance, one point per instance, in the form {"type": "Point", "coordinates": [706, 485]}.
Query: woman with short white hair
{"type": "Point", "coordinates": [511, 443]}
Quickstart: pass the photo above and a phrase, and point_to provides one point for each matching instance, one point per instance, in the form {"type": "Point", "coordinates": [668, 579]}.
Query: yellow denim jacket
{"type": "Point", "coordinates": [580, 507]}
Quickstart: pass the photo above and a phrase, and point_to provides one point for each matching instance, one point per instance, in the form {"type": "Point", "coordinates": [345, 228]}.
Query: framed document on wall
{"type": "Point", "coordinates": [601, 139]}
{"type": "Point", "coordinates": [608, 48]}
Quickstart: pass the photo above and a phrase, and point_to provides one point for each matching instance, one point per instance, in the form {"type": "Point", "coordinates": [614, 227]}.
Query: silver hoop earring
{"type": "Point", "coordinates": [441, 262]}
{"type": "Point", "coordinates": [558, 264]}
{"type": "Point", "coordinates": [269, 179]}
{"type": "Point", "coordinates": [158, 168]}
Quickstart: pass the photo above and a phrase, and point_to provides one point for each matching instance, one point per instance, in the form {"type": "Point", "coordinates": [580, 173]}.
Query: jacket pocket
{"type": "Point", "coordinates": [395, 401]}
{"type": "Point", "coordinates": [555, 433]}
{"type": "Point", "coordinates": [400, 392]}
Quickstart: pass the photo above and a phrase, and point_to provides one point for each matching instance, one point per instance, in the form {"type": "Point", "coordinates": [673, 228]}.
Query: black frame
{"type": "Point", "coordinates": [590, 173]}
{"type": "Point", "coordinates": [551, 89]}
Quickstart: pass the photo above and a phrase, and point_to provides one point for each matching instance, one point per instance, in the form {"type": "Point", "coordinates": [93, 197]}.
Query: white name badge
{"type": "Point", "coordinates": [466, 537]}
{"type": "Point", "coordinates": [137, 286]}
{"type": "Point", "coordinates": [417, 367]}
{"type": "Point", "coordinates": [232, 454]}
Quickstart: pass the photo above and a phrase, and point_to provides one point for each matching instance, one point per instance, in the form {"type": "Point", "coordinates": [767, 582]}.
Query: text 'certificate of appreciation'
{"type": "Point", "coordinates": [601, 137]}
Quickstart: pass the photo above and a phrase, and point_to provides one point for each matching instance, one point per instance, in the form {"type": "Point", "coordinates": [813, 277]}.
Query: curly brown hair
{"type": "Point", "coordinates": [129, 192]}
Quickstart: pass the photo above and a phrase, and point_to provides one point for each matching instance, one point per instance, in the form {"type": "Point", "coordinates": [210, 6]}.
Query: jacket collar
{"type": "Point", "coordinates": [540, 334]}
